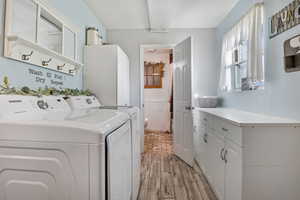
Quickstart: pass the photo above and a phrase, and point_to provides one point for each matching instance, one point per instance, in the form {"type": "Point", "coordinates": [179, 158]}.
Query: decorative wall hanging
{"type": "Point", "coordinates": [292, 54]}
{"type": "Point", "coordinates": [285, 19]}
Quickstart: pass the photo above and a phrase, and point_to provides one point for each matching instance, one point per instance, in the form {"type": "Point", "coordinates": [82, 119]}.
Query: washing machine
{"type": "Point", "coordinates": [134, 114]}
{"type": "Point", "coordinates": [49, 152]}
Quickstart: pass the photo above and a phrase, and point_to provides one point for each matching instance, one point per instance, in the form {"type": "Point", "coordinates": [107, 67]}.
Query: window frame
{"type": "Point", "coordinates": [239, 62]}
{"type": "Point", "coordinates": [153, 75]}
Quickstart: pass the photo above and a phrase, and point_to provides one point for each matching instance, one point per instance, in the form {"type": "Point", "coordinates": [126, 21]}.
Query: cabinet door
{"type": "Point", "coordinates": [233, 172]}
{"type": "Point", "coordinates": [23, 19]}
{"type": "Point", "coordinates": [202, 149]}
{"type": "Point", "coordinates": [196, 133]}
{"type": "Point", "coordinates": [216, 166]}
{"type": "Point", "coordinates": [196, 139]}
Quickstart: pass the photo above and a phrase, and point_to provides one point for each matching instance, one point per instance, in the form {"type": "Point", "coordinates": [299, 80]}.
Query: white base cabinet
{"type": "Point", "coordinates": [248, 159]}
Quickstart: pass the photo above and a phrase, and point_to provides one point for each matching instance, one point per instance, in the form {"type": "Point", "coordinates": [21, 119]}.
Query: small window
{"type": "Point", "coordinates": [153, 74]}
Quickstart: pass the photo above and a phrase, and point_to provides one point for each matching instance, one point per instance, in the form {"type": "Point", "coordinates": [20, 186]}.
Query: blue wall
{"type": "Point", "coordinates": [76, 12]}
{"type": "Point", "coordinates": [281, 96]}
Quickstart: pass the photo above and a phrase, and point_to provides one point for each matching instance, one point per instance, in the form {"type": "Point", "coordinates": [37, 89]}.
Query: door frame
{"type": "Point", "coordinates": [141, 99]}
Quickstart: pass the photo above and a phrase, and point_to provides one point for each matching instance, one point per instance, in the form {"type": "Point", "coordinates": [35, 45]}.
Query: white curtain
{"type": "Point", "coordinates": [250, 30]}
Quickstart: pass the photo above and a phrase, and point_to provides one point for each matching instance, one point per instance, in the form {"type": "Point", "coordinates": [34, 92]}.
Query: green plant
{"type": "Point", "coordinates": [5, 89]}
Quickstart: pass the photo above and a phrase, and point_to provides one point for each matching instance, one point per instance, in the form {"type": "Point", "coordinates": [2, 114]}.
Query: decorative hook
{"type": "Point", "coordinates": [46, 62]}
{"type": "Point", "coordinates": [71, 71]}
{"type": "Point", "coordinates": [60, 67]}
{"type": "Point", "coordinates": [27, 57]}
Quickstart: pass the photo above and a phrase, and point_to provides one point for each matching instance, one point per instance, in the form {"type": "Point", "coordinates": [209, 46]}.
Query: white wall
{"type": "Point", "coordinates": [281, 95]}
{"type": "Point", "coordinates": [204, 60]}
{"type": "Point", "coordinates": [157, 106]}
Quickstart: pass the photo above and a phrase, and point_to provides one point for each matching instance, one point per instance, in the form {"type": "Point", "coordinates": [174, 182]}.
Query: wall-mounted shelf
{"type": "Point", "coordinates": [39, 48]}
{"type": "Point", "coordinates": [37, 35]}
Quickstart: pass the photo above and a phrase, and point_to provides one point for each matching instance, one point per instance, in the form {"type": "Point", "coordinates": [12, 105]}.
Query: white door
{"type": "Point", "coordinates": [183, 120]}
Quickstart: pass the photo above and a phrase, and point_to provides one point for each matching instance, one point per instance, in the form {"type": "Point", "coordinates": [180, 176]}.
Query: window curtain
{"type": "Point", "coordinates": [250, 30]}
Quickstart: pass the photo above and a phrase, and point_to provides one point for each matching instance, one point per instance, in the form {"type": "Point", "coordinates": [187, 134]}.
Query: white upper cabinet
{"type": "Point", "coordinates": [69, 43]}
{"type": "Point", "coordinates": [50, 32]}
{"type": "Point", "coordinates": [37, 35]}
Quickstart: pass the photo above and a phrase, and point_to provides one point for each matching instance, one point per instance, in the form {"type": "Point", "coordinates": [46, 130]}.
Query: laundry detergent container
{"type": "Point", "coordinates": [207, 102]}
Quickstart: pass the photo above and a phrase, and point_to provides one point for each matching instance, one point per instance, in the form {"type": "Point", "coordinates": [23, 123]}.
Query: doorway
{"type": "Point", "coordinates": [167, 161]}
{"type": "Point", "coordinates": [158, 90]}
{"type": "Point", "coordinates": [176, 99]}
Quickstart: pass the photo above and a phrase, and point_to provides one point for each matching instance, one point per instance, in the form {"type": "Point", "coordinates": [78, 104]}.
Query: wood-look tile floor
{"type": "Point", "coordinates": [166, 177]}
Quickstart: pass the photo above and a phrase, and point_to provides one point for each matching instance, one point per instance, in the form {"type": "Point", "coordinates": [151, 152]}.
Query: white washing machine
{"type": "Point", "coordinates": [134, 114]}
{"type": "Point", "coordinates": [49, 153]}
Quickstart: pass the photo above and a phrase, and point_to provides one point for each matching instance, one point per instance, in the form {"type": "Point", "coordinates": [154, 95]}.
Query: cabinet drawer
{"type": "Point", "coordinates": [205, 120]}
{"type": "Point", "coordinates": [228, 130]}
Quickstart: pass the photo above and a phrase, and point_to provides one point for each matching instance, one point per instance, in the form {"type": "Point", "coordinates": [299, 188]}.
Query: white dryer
{"type": "Point", "coordinates": [48, 153]}
{"type": "Point", "coordinates": [118, 146]}
{"type": "Point", "coordinates": [134, 114]}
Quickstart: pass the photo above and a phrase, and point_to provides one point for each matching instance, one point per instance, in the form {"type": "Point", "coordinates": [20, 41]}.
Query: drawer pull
{"type": "Point", "coordinates": [225, 129]}
{"type": "Point", "coordinates": [205, 138]}
{"type": "Point", "coordinates": [221, 154]}
{"type": "Point", "coordinates": [225, 156]}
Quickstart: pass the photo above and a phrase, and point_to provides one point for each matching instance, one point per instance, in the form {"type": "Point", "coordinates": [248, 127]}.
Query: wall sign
{"type": "Point", "coordinates": [49, 79]}
{"type": "Point", "coordinates": [285, 19]}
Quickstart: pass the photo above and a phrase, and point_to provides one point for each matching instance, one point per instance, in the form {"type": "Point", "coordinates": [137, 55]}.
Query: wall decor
{"type": "Point", "coordinates": [37, 35]}
{"type": "Point", "coordinates": [292, 54]}
{"type": "Point", "coordinates": [153, 75]}
{"type": "Point", "coordinates": [285, 19]}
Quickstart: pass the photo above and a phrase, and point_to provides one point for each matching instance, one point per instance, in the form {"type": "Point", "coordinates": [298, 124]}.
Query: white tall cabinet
{"type": "Point", "coordinates": [248, 156]}
{"type": "Point", "coordinates": [107, 74]}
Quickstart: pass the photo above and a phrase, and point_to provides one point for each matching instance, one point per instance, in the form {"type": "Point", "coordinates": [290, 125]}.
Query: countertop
{"type": "Point", "coordinates": [242, 118]}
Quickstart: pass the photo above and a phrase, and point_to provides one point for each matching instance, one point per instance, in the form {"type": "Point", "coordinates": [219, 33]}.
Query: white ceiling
{"type": "Point", "coordinates": [160, 14]}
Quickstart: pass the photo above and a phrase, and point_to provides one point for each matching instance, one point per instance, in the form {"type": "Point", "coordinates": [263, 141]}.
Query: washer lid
{"type": "Point", "coordinates": [103, 120]}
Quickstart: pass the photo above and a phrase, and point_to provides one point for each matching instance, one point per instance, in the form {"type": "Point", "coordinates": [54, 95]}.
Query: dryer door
{"type": "Point", "coordinates": [119, 164]}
